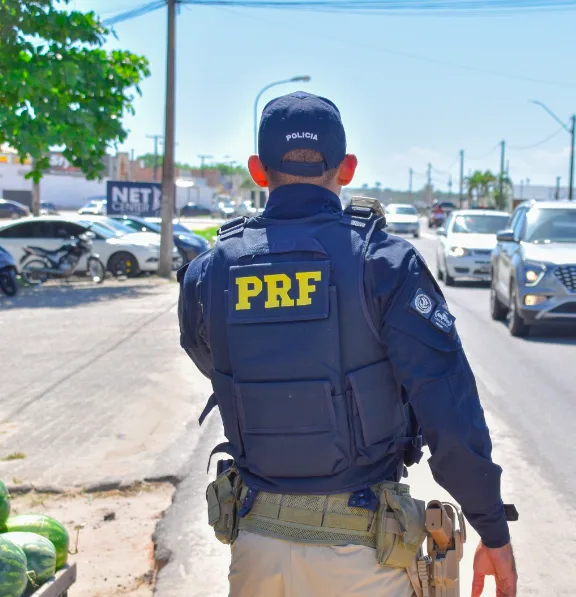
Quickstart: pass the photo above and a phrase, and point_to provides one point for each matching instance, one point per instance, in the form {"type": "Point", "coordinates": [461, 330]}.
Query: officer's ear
{"type": "Point", "coordinates": [257, 171]}
{"type": "Point", "coordinates": [347, 169]}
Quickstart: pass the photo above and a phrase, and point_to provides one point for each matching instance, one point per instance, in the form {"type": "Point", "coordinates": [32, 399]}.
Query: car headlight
{"type": "Point", "coordinates": [533, 272]}
{"type": "Point", "coordinates": [459, 252]}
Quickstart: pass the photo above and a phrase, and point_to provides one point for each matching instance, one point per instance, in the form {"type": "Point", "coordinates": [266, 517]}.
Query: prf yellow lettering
{"type": "Point", "coordinates": [248, 287]}
{"type": "Point", "coordinates": [278, 286]}
{"type": "Point", "coordinates": [306, 289]}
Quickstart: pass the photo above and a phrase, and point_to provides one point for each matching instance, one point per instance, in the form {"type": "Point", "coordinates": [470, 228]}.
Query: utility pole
{"type": "Point", "coordinates": [450, 185]}
{"type": "Point", "coordinates": [168, 182]}
{"type": "Point", "coordinates": [410, 181]}
{"type": "Point", "coordinates": [571, 183]}
{"type": "Point", "coordinates": [461, 194]}
{"type": "Point", "coordinates": [156, 139]}
{"type": "Point", "coordinates": [203, 159]}
{"type": "Point", "coordinates": [557, 193]}
{"type": "Point", "coordinates": [572, 131]}
{"type": "Point", "coordinates": [502, 173]}
{"type": "Point", "coordinates": [429, 197]}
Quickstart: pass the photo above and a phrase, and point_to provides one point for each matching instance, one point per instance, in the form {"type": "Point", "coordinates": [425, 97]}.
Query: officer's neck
{"type": "Point", "coordinates": [301, 200]}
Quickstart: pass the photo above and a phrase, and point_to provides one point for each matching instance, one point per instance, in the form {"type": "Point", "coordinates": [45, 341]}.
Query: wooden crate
{"type": "Point", "coordinates": [59, 585]}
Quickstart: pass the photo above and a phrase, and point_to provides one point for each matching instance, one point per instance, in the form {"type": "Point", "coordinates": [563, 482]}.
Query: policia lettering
{"type": "Point", "coordinates": [278, 287]}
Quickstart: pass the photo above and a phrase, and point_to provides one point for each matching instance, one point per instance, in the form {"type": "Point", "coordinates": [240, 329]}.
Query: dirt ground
{"type": "Point", "coordinates": [115, 551]}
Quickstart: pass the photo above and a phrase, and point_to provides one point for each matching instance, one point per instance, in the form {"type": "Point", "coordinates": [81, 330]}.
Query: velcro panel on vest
{"type": "Point", "coordinates": [279, 292]}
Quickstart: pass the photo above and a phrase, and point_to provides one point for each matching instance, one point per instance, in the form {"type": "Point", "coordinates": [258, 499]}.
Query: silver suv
{"type": "Point", "coordinates": [534, 266]}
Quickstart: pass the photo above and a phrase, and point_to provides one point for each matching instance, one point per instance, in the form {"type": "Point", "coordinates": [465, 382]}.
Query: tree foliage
{"type": "Point", "coordinates": [59, 87]}
{"type": "Point", "coordinates": [225, 169]}
{"type": "Point", "coordinates": [485, 187]}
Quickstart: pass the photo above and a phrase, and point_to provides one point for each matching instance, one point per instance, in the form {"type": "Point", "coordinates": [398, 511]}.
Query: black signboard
{"type": "Point", "coordinates": [142, 199]}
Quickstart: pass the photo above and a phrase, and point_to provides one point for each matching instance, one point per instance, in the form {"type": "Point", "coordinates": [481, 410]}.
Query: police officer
{"type": "Point", "coordinates": [332, 353]}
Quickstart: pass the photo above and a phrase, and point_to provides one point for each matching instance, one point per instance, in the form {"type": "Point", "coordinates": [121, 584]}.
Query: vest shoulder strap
{"type": "Point", "coordinates": [361, 210]}
{"type": "Point", "coordinates": [231, 228]}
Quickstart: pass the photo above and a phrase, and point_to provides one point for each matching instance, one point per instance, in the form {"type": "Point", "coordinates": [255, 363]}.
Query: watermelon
{"type": "Point", "coordinates": [45, 526]}
{"type": "Point", "coordinates": [13, 577]}
{"type": "Point", "coordinates": [4, 505]}
{"type": "Point", "coordinates": [40, 555]}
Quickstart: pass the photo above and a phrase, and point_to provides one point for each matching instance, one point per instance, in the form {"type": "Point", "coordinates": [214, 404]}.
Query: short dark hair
{"type": "Point", "coordinates": [307, 156]}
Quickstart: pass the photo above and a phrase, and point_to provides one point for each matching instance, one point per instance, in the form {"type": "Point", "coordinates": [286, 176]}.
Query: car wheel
{"type": "Point", "coordinates": [123, 264]}
{"type": "Point", "coordinates": [439, 272]}
{"type": "Point", "coordinates": [416, 235]}
{"type": "Point", "coordinates": [498, 309]}
{"type": "Point", "coordinates": [516, 323]}
{"type": "Point", "coordinates": [448, 279]}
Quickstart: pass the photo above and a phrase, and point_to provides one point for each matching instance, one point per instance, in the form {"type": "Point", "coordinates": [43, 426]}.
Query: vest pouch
{"type": "Point", "coordinates": [400, 529]}
{"type": "Point", "coordinates": [222, 501]}
{"type": "Point", "coordinates": [378, 413]}
{"type": "Point", "coordinates": [293, 428]}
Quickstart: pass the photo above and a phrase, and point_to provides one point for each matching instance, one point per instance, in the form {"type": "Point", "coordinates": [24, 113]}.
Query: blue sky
{"type": "Point", "coordinates": [411, 89]}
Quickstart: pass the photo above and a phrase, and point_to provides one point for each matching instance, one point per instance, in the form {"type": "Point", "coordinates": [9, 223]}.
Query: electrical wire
{"type": "Point", "coordinates": [476, 6]}
{"type": "Point", "coordinates": [534, 145]}
{"type": "Point", "coordinates": [483, 157]}
{"type": "Point", "coordinates": [135, 12]}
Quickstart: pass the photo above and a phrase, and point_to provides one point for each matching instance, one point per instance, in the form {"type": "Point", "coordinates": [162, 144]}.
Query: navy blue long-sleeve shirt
{"type": "Point", "coordinates": [430, 364]}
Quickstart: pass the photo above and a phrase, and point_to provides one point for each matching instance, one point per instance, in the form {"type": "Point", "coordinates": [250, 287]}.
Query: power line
{"type": "Point", "coordinates": [534, 145]}
{"type": "Point", "coordinates": [410, 55]}
{"type": "Point", "coordinates": [135, 12]}
{"type": "Point", "coordinates": [483, 157]}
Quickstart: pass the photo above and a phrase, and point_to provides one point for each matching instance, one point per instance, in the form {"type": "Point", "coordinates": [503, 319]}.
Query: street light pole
{"type": "Point", "coordinates": [303, 79]}
{"type": "Point", "coordinates": [572, 131]}
{"type": "Point", "coordinates": [571, 183]}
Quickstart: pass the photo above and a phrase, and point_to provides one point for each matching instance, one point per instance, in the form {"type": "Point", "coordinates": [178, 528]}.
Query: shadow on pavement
{"type": "Point", "coordinates": [553, 334]}
{"type": "Point", "coordinates": [74, 294]}
{"type": "Point", "coordinates": [468, 284]}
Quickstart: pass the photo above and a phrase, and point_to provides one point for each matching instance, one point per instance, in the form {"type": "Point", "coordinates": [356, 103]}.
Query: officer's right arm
{"type": "Point", "coordinates": [429, 361]}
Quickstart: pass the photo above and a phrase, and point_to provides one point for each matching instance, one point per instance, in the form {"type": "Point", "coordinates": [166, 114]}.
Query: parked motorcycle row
{"type": "Point", "coordinates": [38, 265]}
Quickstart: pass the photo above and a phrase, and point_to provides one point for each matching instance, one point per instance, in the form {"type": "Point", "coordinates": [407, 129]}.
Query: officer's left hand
{"type": "Point", "coordinates": [498, 563]}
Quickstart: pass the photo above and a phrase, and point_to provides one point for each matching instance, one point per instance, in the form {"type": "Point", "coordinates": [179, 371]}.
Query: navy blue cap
{"type": "Point", "coordinates": [301, 121]}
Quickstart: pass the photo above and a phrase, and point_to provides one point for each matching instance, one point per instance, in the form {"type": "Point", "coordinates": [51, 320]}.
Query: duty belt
{"type": "Point", "coordinates": [319, 519]}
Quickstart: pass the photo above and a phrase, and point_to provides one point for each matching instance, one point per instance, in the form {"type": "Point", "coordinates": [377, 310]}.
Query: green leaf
{"type": "Point", "coordinates": [60, 88]}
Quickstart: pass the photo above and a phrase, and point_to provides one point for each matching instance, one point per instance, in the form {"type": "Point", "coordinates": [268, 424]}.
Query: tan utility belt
{"type": "Point", "coordinates": [395, 527]}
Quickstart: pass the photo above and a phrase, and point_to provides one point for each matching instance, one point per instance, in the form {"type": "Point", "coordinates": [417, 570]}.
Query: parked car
{"type": "Point", "coordinates": [534, 267]}
{"type": "Point", "coordinates": [189, 244]}
{"type": "Point", "coordinates": [127, 254]}
{"type": "Point", "coordinates": [48, 209]}
{"type": "Point", "coordinates": [191, 210]}
{"type": "Point", "coordinates": [12, 210]}
{"type": "Point", "coordinates": [224, 210]}
{"type": "Point", "coordinates": [95, 207]}
{"type": "Point", "coordinates": [465, 244]}
{"type": "Point", "coordinates": [246, 209]}
{"type": "Point", "coordinates": [402, 219]}
{"type": "Point", "coordinates": [439, 212]}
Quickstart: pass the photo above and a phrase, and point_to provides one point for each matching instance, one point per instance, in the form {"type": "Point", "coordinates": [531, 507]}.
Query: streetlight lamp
{"type": "Point", "coordinates": [303, 79]}
{"type": "Point", "coordinates": [572, 131]}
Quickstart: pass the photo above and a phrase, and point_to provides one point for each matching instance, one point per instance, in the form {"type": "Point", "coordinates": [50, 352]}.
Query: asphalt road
{"type": "Point", "coordinates": [531, 381]}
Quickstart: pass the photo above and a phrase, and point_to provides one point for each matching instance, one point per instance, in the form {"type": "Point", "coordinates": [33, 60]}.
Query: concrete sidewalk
{"type": "Point", "coordinates": [98, 391]}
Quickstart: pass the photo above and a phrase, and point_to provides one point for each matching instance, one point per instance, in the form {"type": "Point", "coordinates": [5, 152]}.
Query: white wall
{"type": "Point", "coordinates": [67, 192]}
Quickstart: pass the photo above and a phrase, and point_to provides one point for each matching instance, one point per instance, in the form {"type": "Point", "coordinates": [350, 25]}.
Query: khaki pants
{"type": "Point", "coordinates": [267, 567]}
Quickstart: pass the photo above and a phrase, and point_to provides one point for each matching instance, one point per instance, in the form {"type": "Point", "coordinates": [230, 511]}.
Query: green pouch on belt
{"type": "Point", "coordinates": [400, 529]}
{"type": "Point", "coordinates": [222, 498]}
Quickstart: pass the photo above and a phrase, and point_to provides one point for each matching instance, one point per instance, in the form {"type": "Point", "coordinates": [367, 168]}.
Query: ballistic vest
{"type": "Point", "coordinates": [307, 395]}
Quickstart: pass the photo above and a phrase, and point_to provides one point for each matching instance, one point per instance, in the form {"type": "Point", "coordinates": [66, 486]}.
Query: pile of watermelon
{"type": "Point", "coordinates": [32, 548]}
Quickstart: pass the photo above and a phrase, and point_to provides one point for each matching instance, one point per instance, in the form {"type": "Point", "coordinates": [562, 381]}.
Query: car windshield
{"type": "Point", "coordinates": [550, 226]}
{"type": "Point", "coordinates": [100, 229]}
{"type": "Point", "coordinates": [180, 229]}
{"type": "Point", "coordinates": [479, 224]}
{"type": "Point", "coordinates": [120, 228]}
{"type": "Point", "coordinates": [402, 210]}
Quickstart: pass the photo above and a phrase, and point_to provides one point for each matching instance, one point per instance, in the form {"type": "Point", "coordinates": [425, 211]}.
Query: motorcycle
{"type": "Point", "coordinates": [8, 280]}
{"type": "Point", "coordinates": [41, 264]}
